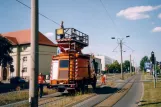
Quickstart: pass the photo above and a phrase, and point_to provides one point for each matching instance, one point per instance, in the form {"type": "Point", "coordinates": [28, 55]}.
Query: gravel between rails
{"type": "Point", "coordinates": [68, 100]}
{"type": "Point", "coordinates": [25, 101]}
{"type": "Point", "coordinates": [11, 92]}
{"type": "Point", "coordinates": [43, 103]}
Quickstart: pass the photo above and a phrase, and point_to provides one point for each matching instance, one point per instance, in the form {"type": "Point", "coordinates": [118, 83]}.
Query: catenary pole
{"type": "Point", "coordinates": [130, 66]}
{"type": "Point", "coordinates": [33, 86]}
{"type": "Point", "coordinates": [122, 76]}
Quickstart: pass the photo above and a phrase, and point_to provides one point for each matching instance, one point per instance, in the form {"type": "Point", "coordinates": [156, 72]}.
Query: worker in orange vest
{"type": "Point", "coordinates": [102, 79]}
{"type": "Point", "coordinates": [41, 81]}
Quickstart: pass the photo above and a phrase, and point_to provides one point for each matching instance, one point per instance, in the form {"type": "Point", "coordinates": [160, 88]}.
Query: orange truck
{"type": "Point", "coordinates": [72, 70]}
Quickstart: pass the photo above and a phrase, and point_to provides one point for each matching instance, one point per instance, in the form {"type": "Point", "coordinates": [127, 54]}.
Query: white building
{"type": "Point", "coordinates": [104, 61]}
{"type": "Point", "coordinates": [99, 64]}
{"type": "Point", "coordinates": [22, 57]}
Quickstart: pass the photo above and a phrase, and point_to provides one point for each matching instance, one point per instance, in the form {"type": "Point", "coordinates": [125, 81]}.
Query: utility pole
{"type": "Point", "coordinates": [153, 59]}
{"type": "Point", "coordinates": [130, 65]}
{"type": "Point", "coordinates": [33, 87]}
{"type": "Point", "coordinates": [133, 66]}
{"type": "Point", "coordinates": [122, 76]}
{"type": "Point", "coordinates": [120, 42]}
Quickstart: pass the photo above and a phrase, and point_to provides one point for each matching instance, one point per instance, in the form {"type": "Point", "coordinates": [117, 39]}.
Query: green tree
{"type": "Point", "coordinates": [107, 66]}
{"type": "Point", "coordinates": [117, 66]}
{"type": "Point", "coordinates": [126, 65]}
{"type": "Point", "coordinates": [5, 50]}
{"type": "Point", "coordinates": [111, 68]}
{"type": "Point", "coordinates": [114, 67]}
{"type": "Point", "coordinates": [142, 62]}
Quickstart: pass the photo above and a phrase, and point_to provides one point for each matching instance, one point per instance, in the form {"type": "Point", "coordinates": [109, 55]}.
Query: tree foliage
{"type": "Point", "coordinates": [12, 68]}
{"type": "Point", "coordinates": [6, 49]}
{"type": "Point", "coordinates": [114, 67]}
{"type": "Point", "coordinates": [142, 62]}
{"type": "Point", "coordinates": [126, 66]}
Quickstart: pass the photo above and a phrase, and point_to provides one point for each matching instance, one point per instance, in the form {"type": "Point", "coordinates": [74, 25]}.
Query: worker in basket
{"type": "Point", "coordinates": [62, 27]}
{"type": "Point", "coordinates": [103, 79]}
{"type": "Point", "coordinates": [41, 81]}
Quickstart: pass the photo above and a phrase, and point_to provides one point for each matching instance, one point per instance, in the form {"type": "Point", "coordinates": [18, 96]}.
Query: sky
{"type": "Point", "coordinates": [141, 19]}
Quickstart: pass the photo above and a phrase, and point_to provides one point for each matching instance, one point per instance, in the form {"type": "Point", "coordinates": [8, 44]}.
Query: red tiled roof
{"type": "Point", "coordinates": [23, 37]}
{"type": "Point", "coordinates": [13, 40]}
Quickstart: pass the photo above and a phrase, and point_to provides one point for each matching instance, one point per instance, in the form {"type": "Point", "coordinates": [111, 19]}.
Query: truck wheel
{"type": "Point", "coordinates": [83, 86]}
{"type": "Point", "coordinates": [71, 91]}
{"type": "Point", "coordinates": [86, 88]}
{"type": "Point", "coordinates": [61, 90]}
{"type": "Point", "coordinates": [78, 87]}
{"type": "Point", "coordinates": [94, 83]}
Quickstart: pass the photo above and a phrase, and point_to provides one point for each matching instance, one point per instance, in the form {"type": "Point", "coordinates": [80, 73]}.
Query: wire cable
{"type": "Point", "coordinates": [115, 48]}
{"type": "Point", "coordinates": [129, 47]}
{"type": "Point", "coordinates": [44, 17]}
{"type": "Point", "coordinates": [39, 13]}
{"type": "Point", "coordinates": [110, 17]}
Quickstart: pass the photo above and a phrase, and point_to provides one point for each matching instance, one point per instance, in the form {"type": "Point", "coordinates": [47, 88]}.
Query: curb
{"type": "Point", "coordinates": [142, 92]}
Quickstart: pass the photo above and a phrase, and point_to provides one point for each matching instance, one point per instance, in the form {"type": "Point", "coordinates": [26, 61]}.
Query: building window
{"type": "Point", "coordinates": [25, 59]}
{"type": "Point", "coordinates": [24, 69]}
{"type": "Point", "coordinates": [23, 48]}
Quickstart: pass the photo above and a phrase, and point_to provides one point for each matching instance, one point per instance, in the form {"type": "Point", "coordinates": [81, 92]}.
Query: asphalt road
{"type": "Point", "coordinates": [132, 98]}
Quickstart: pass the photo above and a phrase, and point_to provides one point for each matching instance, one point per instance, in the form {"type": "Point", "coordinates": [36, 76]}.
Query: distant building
{"type": "Point", "coordinates": [104, 61]}
{"type": "Point", "coordinates": [22, 57]}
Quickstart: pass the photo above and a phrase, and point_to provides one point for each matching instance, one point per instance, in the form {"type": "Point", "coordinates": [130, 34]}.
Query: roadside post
{"type": "Point", "coordinates": [156, 70]}
{"type": "Point", "coordinates": [153, 59]}
{"type": "Point", "coordinates": [130, 66]}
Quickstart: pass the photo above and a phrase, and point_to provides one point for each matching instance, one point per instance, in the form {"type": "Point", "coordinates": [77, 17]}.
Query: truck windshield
{"type": "Point", "coordinates": [64, 63]}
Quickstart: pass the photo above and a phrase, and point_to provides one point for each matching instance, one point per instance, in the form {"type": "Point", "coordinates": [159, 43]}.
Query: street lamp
{"type": "Point", "coordinates": [112, 37]}
{"type": "Point", "coordinates": [127, 36]}
{"type": "Point", "coordinates": [120, 40]}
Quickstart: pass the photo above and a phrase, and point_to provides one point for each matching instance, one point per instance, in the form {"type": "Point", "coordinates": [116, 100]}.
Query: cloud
{"type": "Point", "coordinates": [137, 12]}
{"type": "Point", "coordinates": [159, 16]}
{"type": "Point", "coordinates": [157, 29]}
{"type": "Point", "coordinates": [49, 34]}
